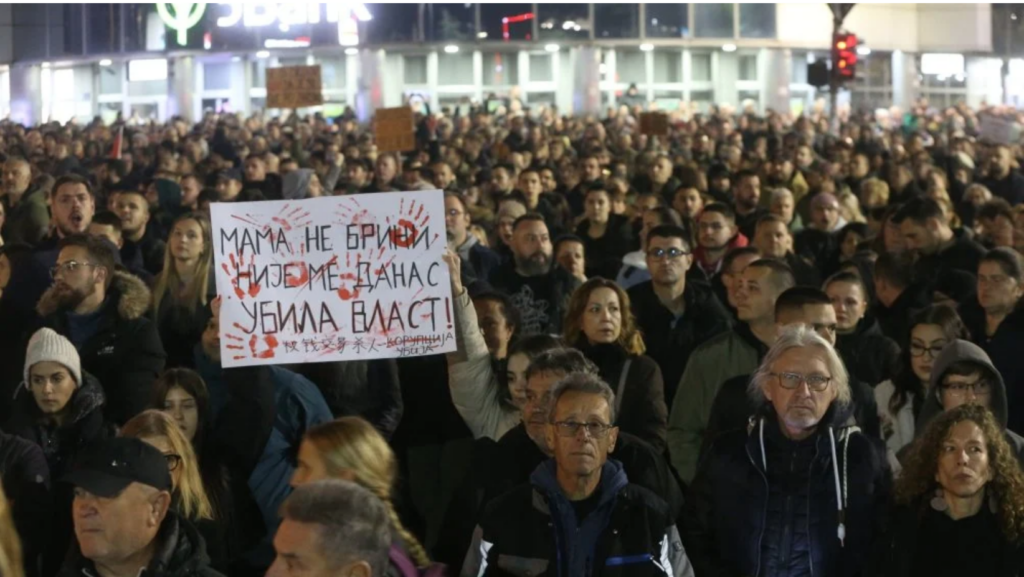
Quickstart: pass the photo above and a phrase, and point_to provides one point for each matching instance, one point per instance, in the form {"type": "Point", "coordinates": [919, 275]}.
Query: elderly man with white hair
{"type": "Point", "coordinates": [800, 490]}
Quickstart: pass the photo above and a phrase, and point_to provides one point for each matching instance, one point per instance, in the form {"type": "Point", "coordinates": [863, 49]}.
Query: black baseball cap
{"type": "Point", "coordinates": [109, 466]}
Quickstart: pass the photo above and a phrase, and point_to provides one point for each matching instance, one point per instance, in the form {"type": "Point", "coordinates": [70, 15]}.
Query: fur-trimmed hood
{"type": "Point", "coordinates": [130, 293]}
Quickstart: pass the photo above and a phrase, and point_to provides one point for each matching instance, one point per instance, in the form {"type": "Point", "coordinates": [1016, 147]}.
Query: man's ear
{"type": "Point", "coordinates": [358, 569]}
{"type": "Point", "coordinates": [160, 503]}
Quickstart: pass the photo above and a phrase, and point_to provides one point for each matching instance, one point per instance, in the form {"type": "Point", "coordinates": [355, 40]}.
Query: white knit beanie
{"type": "Point", "coordinates": [47, 345]}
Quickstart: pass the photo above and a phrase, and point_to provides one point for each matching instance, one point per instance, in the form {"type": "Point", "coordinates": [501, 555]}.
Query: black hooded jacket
{"type": "Point", "coordinates": [180, 552]}
{"type": "Point", "coordinates": [763, 504]}
{"type": "Point", "coordinates": [1004, 349]}
{"type": "Point", "coordinates": [869, 355]}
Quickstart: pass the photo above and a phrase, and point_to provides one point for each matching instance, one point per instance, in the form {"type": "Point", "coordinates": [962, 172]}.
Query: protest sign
{"type": "Point", "coordinates": [393, 129]}
{"type": "Point", "coordinates": [332, 279]}
{"type": "Point", "coordinates": [654, 123]}
{"type": "Point", "coordinates": [997, 130]}
{"type": "Point", "coordinates": [294, 87]}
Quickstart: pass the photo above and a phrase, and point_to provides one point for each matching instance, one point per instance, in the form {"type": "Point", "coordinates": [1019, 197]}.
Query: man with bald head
{"type": "Point", "coordinates": [27, 218]}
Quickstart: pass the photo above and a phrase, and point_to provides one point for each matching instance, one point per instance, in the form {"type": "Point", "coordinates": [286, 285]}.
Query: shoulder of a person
{"type": "Point", "coordinates": [501, 507]}
{"type": "Point", "coordinates": [645, 498]}
{"type": "Point", "coordinates": [722, 340]}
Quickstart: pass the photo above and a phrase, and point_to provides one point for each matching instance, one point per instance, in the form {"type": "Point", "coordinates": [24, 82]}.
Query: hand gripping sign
{"type": "Point", "coordinates": [332, 279]}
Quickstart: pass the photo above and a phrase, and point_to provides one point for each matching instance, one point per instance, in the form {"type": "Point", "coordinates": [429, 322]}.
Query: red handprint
{"type": "Point", "coordinates": [239, 273]}
{"type": "Point", "coordinates": [353, 282]}
{"type": "Point", "coordinates": [237, 345]}
{"type": "Point", "coordinates": [289, 221]}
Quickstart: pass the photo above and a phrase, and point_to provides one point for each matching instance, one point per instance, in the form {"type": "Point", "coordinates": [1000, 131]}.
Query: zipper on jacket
{"type": "Point", "coordinates": [810, 537]}
{"type": "Point", "coordinates": [764, 513]}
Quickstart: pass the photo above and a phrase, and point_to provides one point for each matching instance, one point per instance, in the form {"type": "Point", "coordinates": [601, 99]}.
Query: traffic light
{"type": "Point", "coordinates": [844, 56]}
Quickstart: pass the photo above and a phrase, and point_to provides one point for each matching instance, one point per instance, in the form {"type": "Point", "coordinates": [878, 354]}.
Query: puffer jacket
{"type": "Point", "coordinates": [533, 530]}
{"type": "Point", "coordinates": [765, 506]}
{"type": "Point", "coordinates": [180, 552]}
{"type": "Point", "coordinates": [125, 352]}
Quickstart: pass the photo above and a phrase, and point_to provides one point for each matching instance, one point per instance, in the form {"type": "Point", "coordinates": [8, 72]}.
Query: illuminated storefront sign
{"type": "Point", "coordinates": [284, 15]}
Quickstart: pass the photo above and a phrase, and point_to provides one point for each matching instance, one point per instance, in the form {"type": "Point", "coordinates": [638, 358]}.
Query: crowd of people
{"type": "Point", "coordinates": [756, 344]}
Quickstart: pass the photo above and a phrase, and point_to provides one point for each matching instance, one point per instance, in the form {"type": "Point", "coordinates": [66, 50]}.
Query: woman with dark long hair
{"type": "Point", "coordinates": [600, 323]}
{"type": "Point", "coordinates": [900, 399]}
{"type": "Point", "coordinates": [959, 503]}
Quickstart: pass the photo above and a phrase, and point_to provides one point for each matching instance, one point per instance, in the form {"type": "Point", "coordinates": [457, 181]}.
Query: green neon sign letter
{"type": "Point", "coordinates": [186, 15]}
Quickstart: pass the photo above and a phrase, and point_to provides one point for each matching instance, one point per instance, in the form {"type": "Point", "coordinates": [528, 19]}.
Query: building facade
{"type": "Point", "coordinates": [75, 61]}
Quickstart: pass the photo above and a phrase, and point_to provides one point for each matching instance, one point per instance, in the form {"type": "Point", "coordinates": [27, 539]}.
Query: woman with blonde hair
{"type": "Point", "coordinates": [349, 448]}
{"type": "Point", "coordinates": [600, 323]}
{"type": "Point", "coordinates": [190, 501]}
{"type": "Point", "coordinates": [184, 288]}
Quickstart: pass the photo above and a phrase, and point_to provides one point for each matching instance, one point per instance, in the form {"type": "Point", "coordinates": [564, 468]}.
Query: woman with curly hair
{"type": "Point", "coordinates": [600, 323]}
{"type": "Point", "coordinates": [959, 504]}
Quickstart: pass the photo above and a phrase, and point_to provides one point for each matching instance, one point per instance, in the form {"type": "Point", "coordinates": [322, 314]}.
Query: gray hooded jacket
{"type": "Point", "coordinates": [961, 350]}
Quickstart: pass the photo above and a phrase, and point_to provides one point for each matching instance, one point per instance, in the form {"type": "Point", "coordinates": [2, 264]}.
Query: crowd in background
{"type": "Point", "coordinates": [756, 344]}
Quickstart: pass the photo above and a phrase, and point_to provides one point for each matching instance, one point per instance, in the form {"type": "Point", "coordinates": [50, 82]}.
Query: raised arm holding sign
{"type": "Point", "coordinates": [332, 279]}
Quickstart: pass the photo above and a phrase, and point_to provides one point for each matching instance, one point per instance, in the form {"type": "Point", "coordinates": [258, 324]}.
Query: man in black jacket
{"type": "Point", "coordinates": [800, 490]}
{"type": "Point", "coordinates": [539, 290]}
{"type": "Point", "coordinates": [1003, 181]}
{"type": "Point", "coordinates": [499, 467]}
{"type": "Point", "coordinates": [870, 356]}
{"type": "Point", "coordinates": [123, 518]}
{"type": "Point", "coordinates": [935, 246]}
{"type": "Point", "coordinates": [898, 295]}
{"type": "Point", "coordinates": [579, 515]}
{"type": "Point", "coordinates": [674, 316]}
{"type": "Point", "coordinates": [141, 241]}
{"type": "Point", "coordinates": [102, 312]}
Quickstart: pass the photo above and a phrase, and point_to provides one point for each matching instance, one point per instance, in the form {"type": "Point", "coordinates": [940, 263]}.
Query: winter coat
{"type": "Point", "coordinates": [474, 386]}
{"type": "Point", "coordinates": [964, 254]}
{"type": "Point", "coordinates": [748, 513]}
{"type": "Point", "coordinates": [29, 221]}
{"type": "Point", "coordinates": [481, 260]}
{"type": "Point", "coordinates": [540, 300]}
{"type": "Point", "coordinates": [497, 468]}
{"type": "Point", "coordinates": [180, 552]}
{"type": "Point", "coordinates": [960, 350]}
{"type": "Point", "coordinates": [670, 340]}
{"type": "Point", "coordinates": [533, 530]}
{"type": "Point", "coordinates": [125, 353]}
{"type": "Point", "coordinates": [26, 483]}
{"type": "Point", "coordinates": [604, 254]}
{"type": "Point", "coordinates": [367, 389]}
{"type": "Point", "coordinates": [181, 329]}
{"type": "Point", "coordinates": [1004, 349]}
{"type": "Point", "coordinates": [869, 355]}
{"type": "Point", "coordinates": [727, 355]}
{"type": "Point", "coordinates": [639, 391]}
{"type": "Point", "coordinates": [84, 425]}
{"type": "Point", "coordinates": [150, 250]}
{"type": "Point", "coordinates": [895, 320]}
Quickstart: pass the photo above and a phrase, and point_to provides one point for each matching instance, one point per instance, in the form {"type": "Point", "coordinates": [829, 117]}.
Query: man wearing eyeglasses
{"type": "Point", "coordinates": [798, 491]}
{"type": "Point", "coordinates": [675, 316]}
{"type": "Point", "coordinates": [102, 312]}
{"type": "Point", "coordinates": [963, 373]}
{"type": "Point", "coordinates": [579, 515]}
{"type": "Point", "coordinates": [480, 259]}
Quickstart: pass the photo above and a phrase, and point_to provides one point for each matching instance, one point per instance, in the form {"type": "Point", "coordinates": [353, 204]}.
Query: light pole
{"type": "Point", "coordinates": [839, 12]}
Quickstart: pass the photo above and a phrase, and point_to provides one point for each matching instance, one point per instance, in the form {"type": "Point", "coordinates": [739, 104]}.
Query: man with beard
{"type": "Point", "coordinates": [746, 200]}
{"type": "Point", "coordinates": [936, 247]}
{"type": "Point", "coordinates": [539, 291]}
{"type": "Point", "coordinates": [102, 312]}
{"type": "Point", "coordinates": [675, 316]}
{"type": "Point", "coordinates": [141, 242]}
{"type": "Point", "coordinates": [801, 487]}
{"type": "Point", "coordinates": [27, 218]}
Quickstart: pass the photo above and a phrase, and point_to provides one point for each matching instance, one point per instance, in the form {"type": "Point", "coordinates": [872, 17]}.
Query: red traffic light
{"type": "Point", "coordinates": [844, 55]}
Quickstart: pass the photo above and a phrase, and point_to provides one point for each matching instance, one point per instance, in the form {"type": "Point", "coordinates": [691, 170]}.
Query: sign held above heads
{"type": "Point", "coordinates": [394, 129]}
{"type": "Point", "coordinates": [654, 123]}
{"type": "Point", "coordinates": [330, 279]}
{"type": "Point", "coordinates": [294, 87]}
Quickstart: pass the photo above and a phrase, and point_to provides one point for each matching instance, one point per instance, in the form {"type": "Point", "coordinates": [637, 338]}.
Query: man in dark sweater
{"type": "Point", "coordinates": [898, 295]}
{"type": "Point", "coordinates": [936, 247]}
{"type": "Point", "coordinates": [675, 316]}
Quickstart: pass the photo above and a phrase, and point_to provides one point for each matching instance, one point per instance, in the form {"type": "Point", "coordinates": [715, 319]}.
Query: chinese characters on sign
{"type": "Point", "coordinates": [332, 279]}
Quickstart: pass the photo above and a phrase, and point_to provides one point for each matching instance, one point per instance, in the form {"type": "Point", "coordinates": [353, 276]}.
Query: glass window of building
{"type": "Point", "coordinates": [332, 72]}
{"type": "Point", "coordinates": [540, 68]}
{"type": "Point", "coordinates": [514, 19]}
{"type": "Point", "coordinates": [748, 67]}
{"type": "Point", "coordinates": [216, 76]}
{"type": "Point", "coordinates": [713, 20]}
{"type": "Point", "coordinates": [798, 68]}
{"type": "Point", "coordinates": [451, 22]}
{"type": "Point", "coordinates": [749, 96]}
{"type": "Point", "coordinates": [630, 66]}
{"type": "Point", "coordinates": [501, 68]}
{"type": "Point", "coordinates": [393, 23]}
{"type": "Point", "coordinates": [542, 98]}
{"type": "Point", "coordinates": [702, 99]}
{"type": "Point", "coordinates": [700, 64]}
{"type": "Point", "coordinates": [668, 65]}
{"type": "Point", "coordinates": [135, 17]}
{"type": "Point", "coordinates": [259, 72]}
{"type": "Point", "coordinates": [563, 21]}
{"type": "Point", "coordinates": [68, 17]}
{"type": "Point", "coordinates": [103, 33]}
{"type": "Point", "coordinates": [455, 68]}
{"type": "Point", "coordinates": [757, 20]}
{"type": "Point", "coordinates": [110, 78]}
{"type": "Point", "coordinates": [616, 20]}
{"type": "Point", "coordinates": [415, 69]}
{"type": "Point", "coordinates": [667, 20]}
